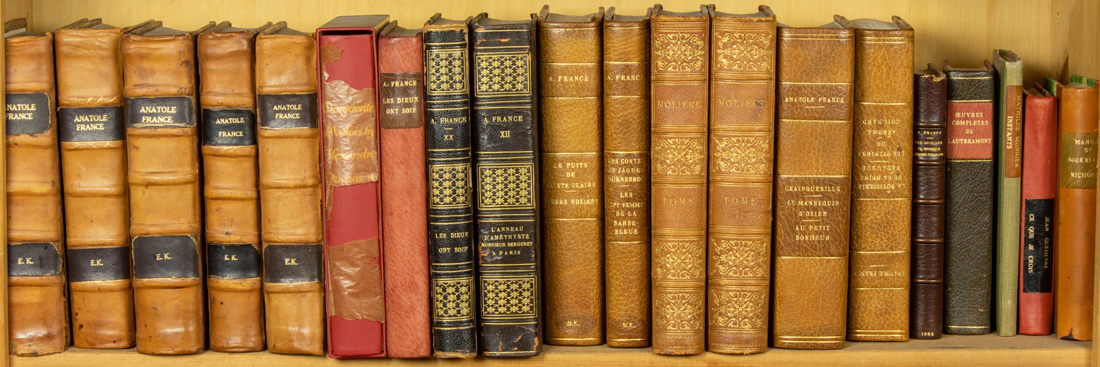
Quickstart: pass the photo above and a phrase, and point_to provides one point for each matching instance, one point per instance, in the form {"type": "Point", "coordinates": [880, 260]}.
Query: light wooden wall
{"type": "Point", "coordinates": [1042, 32]}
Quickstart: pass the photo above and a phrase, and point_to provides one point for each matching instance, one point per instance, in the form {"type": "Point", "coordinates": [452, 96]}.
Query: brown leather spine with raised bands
{"type": "Point", "coordinates": [571, 123]}
{"type": "Point", "coordinates": [230, 190]}
{"type": "Point", "coordinates": [679, 44]}
{"type": "Point", "coordinates": [626, 179]}
{"type": "Point", "coordinates": [38, 314]}
{"type": "Point", "coordinates": [878, 289]}
{"type": "Point", "coordinates": [163, 164]}
{"type": "Point", "coordinates": [739, 231]}
{"type": "Point", "coordinates": [97, 203]}
{"type": "Point", "coordinates": [929, 192]}
{"type": "Point", "coordinates": [812, 185]}
{"type": "Point", "coordinates": [290, 191]}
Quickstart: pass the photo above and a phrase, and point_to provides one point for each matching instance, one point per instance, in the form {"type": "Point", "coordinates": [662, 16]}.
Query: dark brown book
{"type": "Point", "coordinates": [929, 170]}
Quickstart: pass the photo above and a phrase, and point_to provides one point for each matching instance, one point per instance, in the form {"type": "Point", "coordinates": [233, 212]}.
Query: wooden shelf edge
{"type": "Point", "coordinates": [984, 350]}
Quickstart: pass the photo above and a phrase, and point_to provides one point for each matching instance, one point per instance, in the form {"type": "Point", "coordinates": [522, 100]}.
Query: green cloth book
{"type": "Point", "coordinates": [1009, 162]}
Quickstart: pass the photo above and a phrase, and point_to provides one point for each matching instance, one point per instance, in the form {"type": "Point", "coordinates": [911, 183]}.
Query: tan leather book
{"type": "Point", "coordinates": [163, 165]}
{"type": "Point", "coordinates": [572, 175]}
{"type": "Point", "coordinates": [228, 100]}
{"type": "Point", "coordinates": [679, 44]}
{"type": "Point", "coordinates": [626, 178]}
{"type": "Point", "coordinates": [813, 159]}
{"type": "Point", "coordinates": [37, 311]}
{"type": "Point", "coordinates": [93, 163]}
{"type": "Point", "coordinates": [882, 180]}
{"type": "Point", "coordinates": [290, 187]}
{"type": "Point", "coordinates": [739, 229]}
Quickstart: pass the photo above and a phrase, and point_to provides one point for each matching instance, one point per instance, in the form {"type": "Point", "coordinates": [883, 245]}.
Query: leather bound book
{"type": "Point", "coordinates": [97, 205]}
{"type": "Point", "coordinates": [290, 190]}
{"type": "Point", "coordinates": [813, 159]}
{"type": "Point", "coordinates": [968, 230]}
{"type": "Point", "coordinates": [742, 134]}
{"type": "Point", "coordinates": [626, 178]}
{"type": "Point", "coordinates": [929, 170]}
{"type": "Point", "coordinates": [450, 212]}
{"type": "Point", "coordinates": [38, 312]}
{"type": "Point", "coordinates": [404, 192]}
{"type": "Point", "coordinates": [228, 99]}
{"type": "Point", "coordinates": [680, 63]}
{"type": "Point", "coordinates": [1010, 129]}
{"type": "Point", "coordinates": [882, 178]}
{"type": "Point", "coordinates": [1075, 233]}
{"type": "Point", "coordinates": [347, 66]}
{"type": "Point", "coordinates": [570, 53]}
{"type": "Point", "coordinates": [163, 162]}
{"type": "Point", "coordinates": [1039, 185]}
{"type": "Point", "coordinates": [507, 176]}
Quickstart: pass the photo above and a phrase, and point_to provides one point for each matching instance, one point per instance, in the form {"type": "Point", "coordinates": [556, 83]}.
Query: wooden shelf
{"type": "Point", "coordinates": [970, 351]}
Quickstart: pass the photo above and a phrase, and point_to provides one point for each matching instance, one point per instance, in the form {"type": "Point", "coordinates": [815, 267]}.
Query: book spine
{"type": "Point", "coordinates": [1076, 212]}
{"type": "Point", "coordinates": [812, 187]}
{"type": "Point", "coordinates": [1039, 187]}
{"type": "Point", "coordinates": [290, 193]}
{"type": "Point", "coordinates": [38, 311]}
{"type": "Point", "coordinates": [1010, 119]}
{"type": "Point", "coordinates": [450, 210]}
{"type": "Point", "coordinates": [507, 189]}
{"type": "Point", "coordinates": [351, 177]}
{"type": "Point", "coordinates": [405, 208]}
{"type": "Point", "coordinates": [878, 292]}
{"type": "Point", "coordinates": [230, 191]}
{"type": "Point", "coordinates": [626, 182]}
{"type": "Point", "coordinates": [93, 164]}
{"type": "Point", "coordinates": [166, 221]}
{"type": "Point", "coordinates": [571, 131]}
{"type": "Point", "coordinates": [968, 242]}
{"type": "Point", "coordinates": [929, 170]}
{"type": "Point", "coordinates": [679, 180]}
{"type": "Point", "coordinates": [739, 231]}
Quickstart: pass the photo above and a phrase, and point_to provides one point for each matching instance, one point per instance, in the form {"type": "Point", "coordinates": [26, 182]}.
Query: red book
{"type": "Point", "coordinates": [351, 177]}
{"type": "Point", "coordinates": [1039, 184]}
{"type": "Point", "coordinates": [404, 192]}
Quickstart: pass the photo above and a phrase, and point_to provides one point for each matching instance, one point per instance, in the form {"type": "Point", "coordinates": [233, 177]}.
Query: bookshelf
{"type": "Point", "coordinates": [1046, 34]}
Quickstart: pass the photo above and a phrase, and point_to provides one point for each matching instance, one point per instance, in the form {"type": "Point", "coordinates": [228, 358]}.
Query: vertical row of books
{"type": "Point", "coordinates": [695, 181]}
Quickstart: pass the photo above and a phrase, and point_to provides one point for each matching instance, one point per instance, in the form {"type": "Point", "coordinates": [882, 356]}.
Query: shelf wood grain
{"type": "Point", "coordinates": [970, 351]}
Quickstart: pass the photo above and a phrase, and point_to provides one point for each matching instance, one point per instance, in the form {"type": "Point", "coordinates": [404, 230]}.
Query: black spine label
{"type": "Point", "coordinates": [91, 124]}
{"type": "Point", "coordinates": [1038, 245]}
{"type": "Point", "coordinates": [28, 113]}
{"type": "Point", "coordinates": [226, 127]}
{"type": "Point", "coordinates": [232, 261]}
{"type": "Point", "coordinates": [33, 259]}
{"type": "Point", "coordinates": [160, 112]}
{"type": "Point", "coordinates": [165, 257]}
{"type": "Point", "coordinates": [288, 111]}
{"type": "Point", "coordinates": [292, 263]}
{"type": "Point", "coordinates": [98, 264]}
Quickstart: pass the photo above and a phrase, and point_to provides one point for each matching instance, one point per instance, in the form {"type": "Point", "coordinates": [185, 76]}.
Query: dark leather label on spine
{"type": "Point", "coordinates": [402, 100]}
{"type": "Point", "coordinates": [226, 127]}
{"type": "Point", "coordinates": [166, 257]}
{"type": "Point", "coordinates": [232, 261]}
{"type": "Point", "coordinates": [98, 264]}
{"type": "Point", "coordinates": [160, 112]}
{"type": "Point", "coordinates": [1038, 245]}
{"type": "Point", "coordinates": [1014, 134]}
{"type": "Point", "coordinates": [28, 113]}
{"type": "Point", "coordinates": [929, 144]}
{"type": "Point", "coordinates": [292, 263]}
{"type": "Point", "coordinates": [33, 259]}
{"type": "Point", "coordinates": [91, 124]}
{"type": "Point", "coordinates": [287, 111]}
{"type": "Point", "coordinates": [1078, 160]}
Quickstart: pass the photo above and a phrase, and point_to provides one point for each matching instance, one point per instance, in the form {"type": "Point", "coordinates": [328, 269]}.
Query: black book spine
{"type": "Point", "coordinates": [968, 232]}
{"type": "Point", "coordinates": [503, 83]}
{"type": "Point", "coordinates": [450, 212]}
